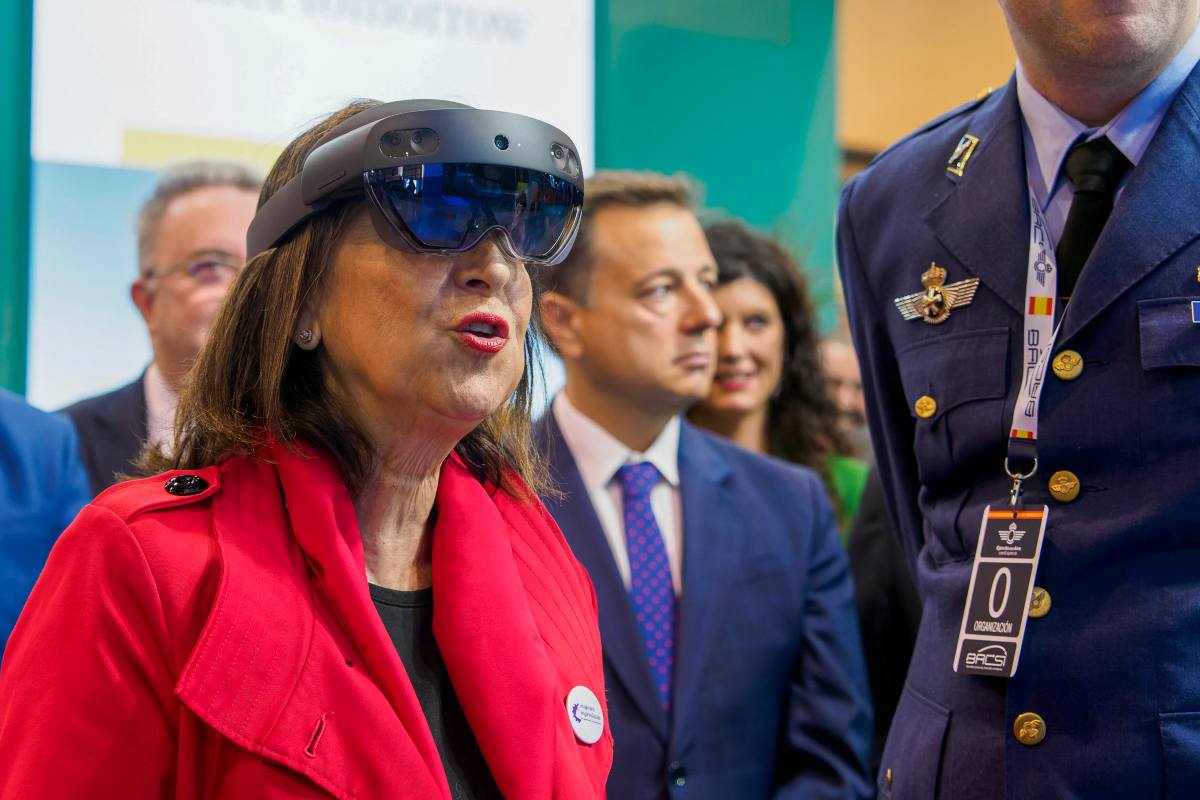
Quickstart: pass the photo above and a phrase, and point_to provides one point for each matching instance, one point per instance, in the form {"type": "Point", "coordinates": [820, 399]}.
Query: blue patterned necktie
{"type": "Point", "coordinates": [651, 590]}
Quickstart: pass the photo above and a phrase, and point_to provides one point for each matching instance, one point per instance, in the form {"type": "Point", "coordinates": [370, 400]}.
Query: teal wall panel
{"type": "Point", "coordinates": [739, 95]}
{"type": "Point", "coordinates": [16, 47]}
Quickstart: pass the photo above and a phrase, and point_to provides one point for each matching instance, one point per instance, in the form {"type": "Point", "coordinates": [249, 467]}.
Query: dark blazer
{"type": "Point", "coordinates": [770, 696]}
{"type": "Point", "coordinates": [1112, 666]}
{"type": "Point", "coordinates": [42, 487]}
{"type": "Point", "coordinates": [112, 429]}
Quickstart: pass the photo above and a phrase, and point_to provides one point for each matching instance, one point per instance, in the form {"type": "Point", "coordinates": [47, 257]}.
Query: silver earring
{"type": "Point", "coordinates": [306, 336]}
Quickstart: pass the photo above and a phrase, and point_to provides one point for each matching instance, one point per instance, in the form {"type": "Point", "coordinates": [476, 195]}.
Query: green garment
{"type": "Point", "coordinates": [848, 476]}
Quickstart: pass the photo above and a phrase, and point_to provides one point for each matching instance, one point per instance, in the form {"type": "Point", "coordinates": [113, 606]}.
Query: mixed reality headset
{"type": "Point", "coordinates": [439, 177]}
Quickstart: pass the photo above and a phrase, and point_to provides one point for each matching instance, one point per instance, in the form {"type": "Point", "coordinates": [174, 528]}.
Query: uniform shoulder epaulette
{"type": "Point", "coordinates": [938, 122]}
{"type": "Point", "coordinates": [175, 488]}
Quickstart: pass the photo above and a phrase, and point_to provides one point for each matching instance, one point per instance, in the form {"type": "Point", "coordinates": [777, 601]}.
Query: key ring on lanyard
{"type": "Point", "coordinates": [1018, 478]}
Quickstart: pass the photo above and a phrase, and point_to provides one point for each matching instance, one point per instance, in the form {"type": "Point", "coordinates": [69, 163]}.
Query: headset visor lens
{"type": "Point", "coordinates": [450, 207]}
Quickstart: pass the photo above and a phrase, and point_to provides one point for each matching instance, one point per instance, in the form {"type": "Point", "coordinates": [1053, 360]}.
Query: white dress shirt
{"type": "Point", "coordinates": [160, 408]}
{"type": "Point", "coordinates": [599, 455]}
{"type": "Point", "coordinates": [1049, 132]}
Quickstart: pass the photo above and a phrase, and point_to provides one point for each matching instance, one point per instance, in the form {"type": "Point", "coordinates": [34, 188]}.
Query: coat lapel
{"type": "Point", "coordinates": [489, 639]}
{"type": "Point", "coordinates": [268, 678]}
{"type": "Point", "coordinates": [982, 218]}
{"type": "Point", "coordinates": [623, 648]}
{"type": "Point", "coordinates": [1150, 221]}
{"type": "Point", "coordinates": [711, 554]}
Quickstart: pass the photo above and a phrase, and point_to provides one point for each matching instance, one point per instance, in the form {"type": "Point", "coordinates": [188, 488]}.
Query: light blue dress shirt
{"type": "Point", "coordinates": [1050, 132]}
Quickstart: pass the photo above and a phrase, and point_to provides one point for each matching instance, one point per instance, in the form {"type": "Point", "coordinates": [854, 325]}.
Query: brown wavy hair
{"type": "Point", "coordinates": [802, 419]}
{"type": "Point", "coordinates": [251, 383]}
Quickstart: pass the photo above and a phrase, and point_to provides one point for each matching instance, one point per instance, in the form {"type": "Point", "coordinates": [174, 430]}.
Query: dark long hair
{"type": "Point", "coordinates": [802, 419]}
{"type": "Point", "coordinates": [251, 382]}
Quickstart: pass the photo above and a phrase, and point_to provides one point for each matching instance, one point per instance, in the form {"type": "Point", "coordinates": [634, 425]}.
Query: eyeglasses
{"type": "Point", "coordinates": [211, 267]}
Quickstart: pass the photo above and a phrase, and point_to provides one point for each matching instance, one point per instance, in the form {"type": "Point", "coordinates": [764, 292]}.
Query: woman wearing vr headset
{"type": "Point", "coordinates": [344, 583]}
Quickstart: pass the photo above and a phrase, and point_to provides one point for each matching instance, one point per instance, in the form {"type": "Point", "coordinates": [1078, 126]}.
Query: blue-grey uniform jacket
{"type": "Point", "coordinates": [1113, 668]}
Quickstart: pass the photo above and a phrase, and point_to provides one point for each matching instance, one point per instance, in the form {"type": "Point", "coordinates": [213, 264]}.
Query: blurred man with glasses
{"type": "Point", "coordinates": [191, 244]}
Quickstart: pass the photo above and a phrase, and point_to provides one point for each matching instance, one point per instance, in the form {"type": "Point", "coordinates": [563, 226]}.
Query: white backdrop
{"type": "Point", "coordinates": [122, 86]}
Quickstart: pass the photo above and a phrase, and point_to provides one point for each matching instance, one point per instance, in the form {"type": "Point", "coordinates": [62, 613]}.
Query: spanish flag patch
{"type": "Point", "coordinates": [1041, 306]}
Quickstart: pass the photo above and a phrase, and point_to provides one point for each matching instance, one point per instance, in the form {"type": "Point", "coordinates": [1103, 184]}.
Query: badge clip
{"type": "Point", "coordinates": [1018, 479]}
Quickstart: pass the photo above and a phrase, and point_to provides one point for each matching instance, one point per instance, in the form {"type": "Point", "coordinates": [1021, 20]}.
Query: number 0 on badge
{"type": "Point", "coordinates": [998, 598]}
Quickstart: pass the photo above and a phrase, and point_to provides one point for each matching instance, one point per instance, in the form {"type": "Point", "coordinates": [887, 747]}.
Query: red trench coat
{"type": "Point", "coordinates": [225, 645]}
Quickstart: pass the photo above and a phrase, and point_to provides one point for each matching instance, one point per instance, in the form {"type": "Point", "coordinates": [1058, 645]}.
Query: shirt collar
{"type": "Point", "coordinates": [160, 407]}
{"type": "Point", "coordinates": [1050, 132]}
{"type": "Point", "coordinates": [598, 454]}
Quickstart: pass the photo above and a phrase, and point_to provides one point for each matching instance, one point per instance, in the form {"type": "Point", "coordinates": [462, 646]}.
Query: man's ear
{"type": "Point", "coordinates": [560, 321]}
{"type": "Point", "coordinates": [142, 297]}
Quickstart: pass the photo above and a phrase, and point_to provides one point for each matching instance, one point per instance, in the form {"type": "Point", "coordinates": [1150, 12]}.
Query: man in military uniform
{"type": "Point", "coordinates": [1093, 151]}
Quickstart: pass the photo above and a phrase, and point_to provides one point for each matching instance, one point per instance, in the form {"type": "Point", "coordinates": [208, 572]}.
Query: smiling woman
{"type": "Point", "coordinates": [346, 539]}
{"type": "Point", "coordinates": [770, 391]}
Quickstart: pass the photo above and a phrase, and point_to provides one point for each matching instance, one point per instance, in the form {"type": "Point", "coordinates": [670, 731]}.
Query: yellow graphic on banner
{"type": "Point", "coordinates": [141, 148]}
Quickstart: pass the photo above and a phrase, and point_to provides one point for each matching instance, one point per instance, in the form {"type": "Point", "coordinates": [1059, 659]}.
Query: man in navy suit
{"type": "Point", "coordinates": [1070, 195]}
{"type": "Point", "coordinates": [731, 648]}
{"type": "Point", "coordinates": [42, 486]}
{"type": "Point", "coordinates": [191, 244]}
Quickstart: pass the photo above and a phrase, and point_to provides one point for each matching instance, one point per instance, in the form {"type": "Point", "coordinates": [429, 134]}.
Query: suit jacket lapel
{"type": "Point", "coordinates": [1149, 222]}
{"type": "Point", "coordinates": [623, 648]}
{"type": "Point", "coordinates": [983, 217]}
{"type": "Point", "coordinates": [711, 555]}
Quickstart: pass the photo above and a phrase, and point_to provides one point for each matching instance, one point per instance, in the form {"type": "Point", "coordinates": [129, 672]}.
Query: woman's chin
{"type": "Point", "coordinates": [726, 404]}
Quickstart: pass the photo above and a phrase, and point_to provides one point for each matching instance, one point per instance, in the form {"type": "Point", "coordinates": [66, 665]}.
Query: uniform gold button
{"type": "Point", "coordinates": [1067, 365]}
{"type": "Point", "coordinates": [1029, 728]}
{"type": "Point", "coordinates": [887, 777]}
{"type": "Point", "coordinates": [1039, 606]}
{"type": "Point", "coordinates": [925, 406]}
{"type": "Point", "coordinates": [1064, 486]}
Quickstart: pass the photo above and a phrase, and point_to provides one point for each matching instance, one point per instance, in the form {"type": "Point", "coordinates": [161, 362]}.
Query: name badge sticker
{"type": "Point", "coordinates": [1000, 592]}
{"type": "Point", "coordinates": [585, 715]}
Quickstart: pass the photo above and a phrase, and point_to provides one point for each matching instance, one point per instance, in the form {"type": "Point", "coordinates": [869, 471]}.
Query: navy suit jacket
{"type": "Point", "coordinates": [770, 695]}
{"type": "Point", "coordinates": [112, 430]}
{"type": "Point", "coordinates": [42, 487]}
{"type": "Point", "coordinates": [1113, 667]}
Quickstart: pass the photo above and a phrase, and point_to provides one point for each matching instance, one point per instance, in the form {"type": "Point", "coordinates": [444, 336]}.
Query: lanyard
{"type": "Point", "coordinates": [1041, 295]}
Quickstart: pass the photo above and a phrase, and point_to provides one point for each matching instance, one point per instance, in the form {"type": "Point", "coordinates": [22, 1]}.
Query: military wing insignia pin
{"type": "Point", "coordinates": [933, 305]}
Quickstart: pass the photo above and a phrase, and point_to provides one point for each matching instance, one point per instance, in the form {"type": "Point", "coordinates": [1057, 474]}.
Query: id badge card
{"type": "Point", "coordinates": [1001, 589]}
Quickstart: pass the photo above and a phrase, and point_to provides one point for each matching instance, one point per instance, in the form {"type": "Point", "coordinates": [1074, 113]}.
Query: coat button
{"type": "Point", "coordinates": [186, 485]}
{"type": "Point", "coordinates": [1029, 728]}
{"type": "Point", "coordinates": [676, 774]}
{"type": "Point", "coordinates": [1039, 605]}
{"type": "Point", "coordinates": [1064, 486]}
{"type": "Point", "coordinates": [925, 406]}
{"type": "Point", "coordinates": [887, 777]}
{"type": "Point", "coordinates": [1067, 365]}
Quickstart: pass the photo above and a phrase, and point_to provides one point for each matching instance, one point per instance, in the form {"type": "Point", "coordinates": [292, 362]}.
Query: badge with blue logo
{"type": "Point", "coordinates": [1196, 311]}
{"type": "Point", "coordinates": [585, 715]}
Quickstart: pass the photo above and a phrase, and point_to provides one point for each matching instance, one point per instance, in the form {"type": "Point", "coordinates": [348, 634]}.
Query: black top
{"type": "Point", "coordinates": [408, 618]}
{"type": "Point", "coordinates": [889, 610]}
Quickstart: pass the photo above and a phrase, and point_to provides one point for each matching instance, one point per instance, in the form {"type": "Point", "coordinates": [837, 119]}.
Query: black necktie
{"type": "Point", "coordinates": [1094, 169]}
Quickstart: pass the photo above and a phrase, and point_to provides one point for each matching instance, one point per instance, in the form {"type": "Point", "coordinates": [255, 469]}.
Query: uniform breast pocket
{"type": "Point", "coordinates": [1169, 328]}
{"type": "Point", "coordinates": [1169, 338]}
{"type": "Point", "coordinates": [955, 387]}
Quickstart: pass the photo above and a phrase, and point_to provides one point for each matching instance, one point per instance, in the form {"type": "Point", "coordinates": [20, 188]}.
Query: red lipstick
{"type": "Point", "coordinates": [487, 333]}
